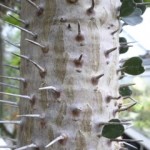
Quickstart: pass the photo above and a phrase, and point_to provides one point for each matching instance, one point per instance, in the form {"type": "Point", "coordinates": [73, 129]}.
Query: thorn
{"type": "Point", "coordinates": [76, 112]}
{"type": "Point", "coordinates": [116, 29]}
{"type": "Point", "coordinates": [44, 48]}
{"type": "Point", "coordinates": [126, 85]}
{"type": "Point", "coordinates": [9, 85]}
{"type": "Point", "coordinates": [25, 30]}
{"type": "Point", "coordinates": [126, 108]}
{"type": "Point", "coordinates": [96, 79]}
{"type": "Point", "coordinates": [91, 9]}
{"type": "Point", "coordinates": [17, 95]}
{"type": "Point", "coordinates": [8, 8]}
{"type": "Point", "coordinates": [125, 46]}
{"type": "Point", "coordinates": [109, 51]}
{"type": "Point", "coordinates": [14, 78]}
{"type": "Point", "coordinates": [9, 103]}
{"type": "Point", "coordinates": [60, 138]}
{"type": "Point", "coordinates": [10, 139]}
{"type": "Point", "coordinates": [125, 120]}
{"type": "Point", "coordinates": [41, 69]}
{"type": "Point", "coordinates": [109, 98]}
{"type": "Point", "coordinates": [144, 3]}
{"type": "Point", "coordinates": [79, 37]}
{"type": "Point", "coordinates": [125, 43]}
{"type": "Point", "coordinates": [27, 146]}
{"type": "Point", "coordinates": [20, 20]}
{"type": "Point", "coordinates": [10, 122]}
{"type": "Point", "coordinates": [113, 123]}
{"type": "Point", "coordinates": [125, 140]}
{"type": "Point", "coordinates": [121, 69]}
{"type": "Point", "coordinates": [121, 76]}
{"type": "Point", "coordinates": [6, 146]}
{"type": "Point", "coordinates": [69, 26]}
{"type": "Point", "coordinates": [48, 88]}
{"type": "Point", "coordinates": [12, 43]}
{"type": "Point", "coordinates": [56, 91]}
{"type": "Point", "coordinates": [78, 62]}
{"type": "Point", "coordinates": [130, 99]}
{"type": "Point", "coordinates": [130, 145]}
{"type": "Point", "coordinates": [39, 8]}
{"type": "Point", "coordinates": [13, 67]}
{"type": "Point", "coordinates": [31, 115]}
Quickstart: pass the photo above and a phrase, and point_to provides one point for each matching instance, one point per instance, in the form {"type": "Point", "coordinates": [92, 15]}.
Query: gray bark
{"type": "Point", "coordinates": [80, 101]}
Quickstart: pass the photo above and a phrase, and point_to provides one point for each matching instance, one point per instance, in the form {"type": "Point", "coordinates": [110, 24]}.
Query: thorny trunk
{"type": "Point", "coordinates": [78, 37]}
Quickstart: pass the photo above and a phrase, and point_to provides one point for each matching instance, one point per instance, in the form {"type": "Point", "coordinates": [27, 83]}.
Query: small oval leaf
{"type": "Point", "coordinates": [133, 66]}
{"type": "Point", "coordinates": [134, 18]}
{"type": "Point", "coordinates": [123, 44]}
{"type": "Point", "coordinates": [127, 7]}
{"type": "Point", "coordinates": [125, 91]}
{"type": "Point", "coordinates": [112, 131]}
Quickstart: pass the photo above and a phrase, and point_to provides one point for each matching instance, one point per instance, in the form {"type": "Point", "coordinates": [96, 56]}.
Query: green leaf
{"type": "Point", "coordinates": [127, 8]}
{"type": "Point", "coordinates": [133, 66]}
{"type": "Point", "coordinates": [125, 91]}
{"type": "Point", "coordinates": [12, 20]}
{"type": "Point", "coordinates": [134, 18]}
{"type": "Point", "coordinates": [142, 7]}
{"type": "Point", "coordinates": [112, 131]}
{"type": "Point", "coordinates": [123, 42]}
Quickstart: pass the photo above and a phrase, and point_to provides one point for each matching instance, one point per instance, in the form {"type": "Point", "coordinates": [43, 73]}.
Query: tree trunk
{"type": "Point", "coordinates": [1, 70]}
{"type": "Point", "coordinates": [76, 38]}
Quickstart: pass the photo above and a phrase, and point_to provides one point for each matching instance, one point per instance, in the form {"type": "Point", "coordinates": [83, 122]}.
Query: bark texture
{"type": "Point", "coordinates": [1, 69]}
{"type": "Point", "coordinates": [77, 37]}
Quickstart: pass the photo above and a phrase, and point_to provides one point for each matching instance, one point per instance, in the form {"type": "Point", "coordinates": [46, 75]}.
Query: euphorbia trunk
{"type": "Point", "coordinates": [78, 71]}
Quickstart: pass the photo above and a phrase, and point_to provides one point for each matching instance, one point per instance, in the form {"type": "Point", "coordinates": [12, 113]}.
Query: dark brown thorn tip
{"type": "Point", "coordinates": [78, 62]}
{"type": "Point", "coordinates": [112, 33]}
{"type": "Point", "coordinates": [40, 9]}
{"type": "Point", "coordinates": [76, 112]}
{"type": "Point", "coordinates": [95, 79]}
{"type": "Point", "coordinates": [91, 9]}
{"type": "Point", "coordinates": [69, 26]}
{"type": "Point", "coordinates": [33, 99]}
{"type": "Point", "coordinates": [79, 37]}
{"type": "Point", "coordinates": [107, 52]}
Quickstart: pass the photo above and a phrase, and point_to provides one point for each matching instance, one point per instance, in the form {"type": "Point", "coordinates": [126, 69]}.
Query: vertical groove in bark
{"type": "Point", "coordinates": [77, 105]}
